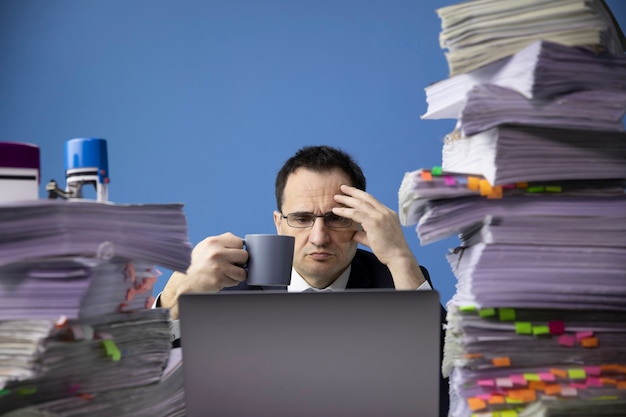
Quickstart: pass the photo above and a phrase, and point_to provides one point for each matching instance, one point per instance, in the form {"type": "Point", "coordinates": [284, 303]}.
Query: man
{"type": "Point", "coordinates": [321, 201]}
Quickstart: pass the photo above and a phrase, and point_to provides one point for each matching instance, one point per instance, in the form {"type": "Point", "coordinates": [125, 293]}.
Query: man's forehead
{"type": "Point", "coordinates": [306, 185]}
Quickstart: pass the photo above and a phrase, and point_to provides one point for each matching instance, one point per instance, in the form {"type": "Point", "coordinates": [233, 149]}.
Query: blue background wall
{"type": "Point", "coordinates": [202, 101]}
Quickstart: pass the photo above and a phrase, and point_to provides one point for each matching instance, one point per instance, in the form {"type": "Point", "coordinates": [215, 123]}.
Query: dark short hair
{"type": "Point", "coordinates": [318, 159]}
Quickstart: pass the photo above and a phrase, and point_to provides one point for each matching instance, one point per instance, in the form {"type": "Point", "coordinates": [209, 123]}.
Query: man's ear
{"type": "Point", "coordinates": [277, 221]}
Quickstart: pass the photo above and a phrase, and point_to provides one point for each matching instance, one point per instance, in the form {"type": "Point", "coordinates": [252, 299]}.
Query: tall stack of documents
{"type": "Point", "coordinates": [532, 181]}
{"type": "Point", "coordinates": [78, 335]}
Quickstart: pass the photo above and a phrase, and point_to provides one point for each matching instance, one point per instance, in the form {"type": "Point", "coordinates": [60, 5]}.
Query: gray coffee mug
{"type": "Point", "coordinates": [269, 259]}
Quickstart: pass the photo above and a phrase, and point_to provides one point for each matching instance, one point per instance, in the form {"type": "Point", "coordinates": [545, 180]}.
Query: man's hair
{"type": "Point", "coordinates": [318, 159]}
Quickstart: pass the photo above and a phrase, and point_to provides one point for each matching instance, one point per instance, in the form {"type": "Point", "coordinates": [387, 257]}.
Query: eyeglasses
{"type": "Point", "coordinates": [302, 220]}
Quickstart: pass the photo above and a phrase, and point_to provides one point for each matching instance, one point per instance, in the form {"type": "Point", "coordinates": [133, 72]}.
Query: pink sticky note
{"type": "Point", "coordinates": [485, 397]}
{"type": "Point", "coordinates": [578, 385]}
{"type": "Point", "coordinates": [518, 379]}
{"type": "Point", "coordinates": [582, 335]}
{"type": "Point", "coordinates": [448, 180]}
{"type": "Point", "coordinates": [567, 340]}
{"type": "Point", "coordinates": [504, 382]}
{"type": "Point", "coordinates": [486, 382]}
{"type": "Point", "coordinates": [569, 392]}
{"type": "Point", "coordinates": [593, 370]}
{"type": "Point", "coordinates": [593, 381]}
{"type": "Point", "coordinates": [547, 376]}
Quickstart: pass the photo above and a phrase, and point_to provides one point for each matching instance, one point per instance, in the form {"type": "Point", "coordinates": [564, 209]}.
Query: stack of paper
{"type": "Point", "coordinates": [482, 31]}
{"type": "Point", "coordinates": [542, 70]}
{"type": "Point", "coordinates": [532, 181]}
{"type": "Point", "coordinates": [78, 336]}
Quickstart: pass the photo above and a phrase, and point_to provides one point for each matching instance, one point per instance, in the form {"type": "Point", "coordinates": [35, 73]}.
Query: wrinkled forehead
{"type": "Point", "coordinates": [308, 190]}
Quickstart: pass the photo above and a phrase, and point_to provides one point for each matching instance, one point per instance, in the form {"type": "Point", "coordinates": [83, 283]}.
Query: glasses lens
{"type": "Point", "coordinates": [338, 222]}
{"type": "Point", "coordinates": [300, 219]}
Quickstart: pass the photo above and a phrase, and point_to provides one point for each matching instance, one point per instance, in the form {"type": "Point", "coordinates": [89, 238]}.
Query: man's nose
{"type": "Point", "coordinates": [319, 232]}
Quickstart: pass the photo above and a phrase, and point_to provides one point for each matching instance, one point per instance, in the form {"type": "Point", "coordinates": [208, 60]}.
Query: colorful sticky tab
{"type": "Point", "coordinates": [532, 377]}
{"type": "Point", "coordinates": [589, 342]}
{"type": "Point", "coordinates": [523, 327]}
{"type": "Point", "coordinates": [518, 379]}
{"type": "Point", "coordinates": [553, 188]}
{"type": "Point", "coordinates": [487, 312]}
{"type": "Point", "coordinates": [436, 171]}
{"type": "Point", "coordinates": [4, 392]}
{"type": "Point", "coordinates": [566, 340]}
{"type": "Point", "coordinates": [541, 330]}
{"type": "Point", "coordinates": [449, 180]}
{"type": "Point", "coordinates": [486, 382]}
{"type": "Point", "coordinates": [476, 404]}
{"type": "Point", "coordinates": [552, 389]}
{"type": "Point", "coordinates": [506, 314]}
{"type": "Point", "coordinates": [496, 193]}
{"type": "Point", "coordinates": [521, 184]}
{"type": "Point", "coordinates": [576, 373]}
{"type": "Point", "coordinates": [484, 187]}
{"type": "Point", "coordinates": [504, 382]}
{"type": "Point", "coordinates": [496, 399]}
{"type": "Point", "coordinates": [426, 175]}
{"type": "Point", "coordinates": [26, 390]}
{"type": "Point", "coordinates": [594, 381]}
{"type": "Point", "coordinates": [562, 373]}
{"type": "Point", "coordinates": [507, 413]}
{"type": "Point", "coordinates": [501, 361]}
{"type": "Point", "coordinates": [593, 370]}
{"type": "Point", "coordinates": [546, 376]}
{"type": "Point", "coordinates": [535, 189]}
{"type": "Point", "coordinates": [473, 183]}
{"type": "Point", "coordinates": [111, 349]}
{"type": "Point", "coordinates": [556, 327]}
{"type": "Point", "coordinates": [582, 335]}
{"type": "Point", "coordinates": [467, 308]}
{"type": "Point", "coordinates": [569, 392]}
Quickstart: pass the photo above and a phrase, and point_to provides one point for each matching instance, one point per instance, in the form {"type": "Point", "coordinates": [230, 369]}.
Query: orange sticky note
{"type": "Point", "coordinates": [559, 372]}
{"type": "Point", "coordinates": [502, 361]}
{"type": "Point", "coordinates": [473, 183]}
{"type": "Point", "coordinates": [426, 175]}
{"type": "Point", "coordinates": [496, 192]}
{"type": "Point", "coordinates": [484, 187]}
{"type": "Point", "coordinates": [537, 385]}
{"type": "Point", "coordinates": [496, 399]}
{"type": "Point", "coordinates": [476, 404]}
{"type": "Point", "coordinates": [552, 389]}
{"type": "Point", "coordinates": [589, 342]}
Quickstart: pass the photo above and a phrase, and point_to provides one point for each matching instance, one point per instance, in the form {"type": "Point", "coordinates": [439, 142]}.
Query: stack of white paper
{"type": "Point", "coordinates": [532, 181]}
{"type": "Point", "coordinates": [78, 336]}
{"type": "Point", "coordinates": [482, 31]}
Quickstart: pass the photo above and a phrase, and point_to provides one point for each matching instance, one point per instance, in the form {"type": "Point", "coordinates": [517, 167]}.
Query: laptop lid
{"type": "Point", "coordinates": [277, 354]}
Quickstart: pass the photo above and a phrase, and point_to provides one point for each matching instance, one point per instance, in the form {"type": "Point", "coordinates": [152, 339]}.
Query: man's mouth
{"type": "Point", "coordinates": [320, 256]}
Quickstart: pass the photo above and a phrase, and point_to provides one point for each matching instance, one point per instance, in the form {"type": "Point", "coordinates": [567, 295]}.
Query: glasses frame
{"type": "Point", "coordinates": [314, 218]}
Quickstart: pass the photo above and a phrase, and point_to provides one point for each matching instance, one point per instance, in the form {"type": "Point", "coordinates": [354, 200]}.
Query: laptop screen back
{"type": "Point", "coordinates": [352, 353]}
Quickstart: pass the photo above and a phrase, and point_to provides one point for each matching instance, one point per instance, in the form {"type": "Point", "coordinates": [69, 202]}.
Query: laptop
{"type": "Point", "coordinates": [332, 354]}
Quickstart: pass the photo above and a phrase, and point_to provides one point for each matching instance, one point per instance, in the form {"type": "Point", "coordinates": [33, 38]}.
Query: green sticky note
{"type": "Point", "coordinates": [112, 350]}
{"type": "Point", "coordinates": [554, 188]}
{"type": "Point", "coordinates": [576, 374]}
{"type": "Point", "coordinates": [506, 314]}
{"type": "Point", "coordinates": [4, 392]}
{"type": "Point", "coordinates": [487, 312]}
{"type": "Point", "coordinates": [523, 327]}
{"type": "Point", "coordinates": [436, 171]}
{"type": "Point", "coordinates": [539, 330]}
{"type": "Point", "coordinates": [536, 189]}
{"type": "Point", "coordinates": [532, 377]}
{"type": "Point", "coordinates": [26, 390]}
{"type": "Point", "coordinates": [513, 401]}
{"type": "Point", "coordinates": [508, 413]}
{"type": "Point", "coordinates": [467, 308]}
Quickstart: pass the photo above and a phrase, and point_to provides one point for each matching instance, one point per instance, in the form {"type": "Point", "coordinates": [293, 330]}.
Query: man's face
{"type": "Point", "coordinates": [321, 253]}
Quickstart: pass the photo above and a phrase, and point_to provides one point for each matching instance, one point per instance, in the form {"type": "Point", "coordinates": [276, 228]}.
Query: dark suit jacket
{"type": "Point", "coordinates": [368, 272]}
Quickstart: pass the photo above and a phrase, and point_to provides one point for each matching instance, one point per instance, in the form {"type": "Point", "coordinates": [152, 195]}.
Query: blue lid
{"type": "Point", "coordinates": [88, 153]}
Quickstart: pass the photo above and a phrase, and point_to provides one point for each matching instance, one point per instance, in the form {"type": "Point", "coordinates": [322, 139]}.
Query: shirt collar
{"type": "Point", "coordinates": [298, 284]}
